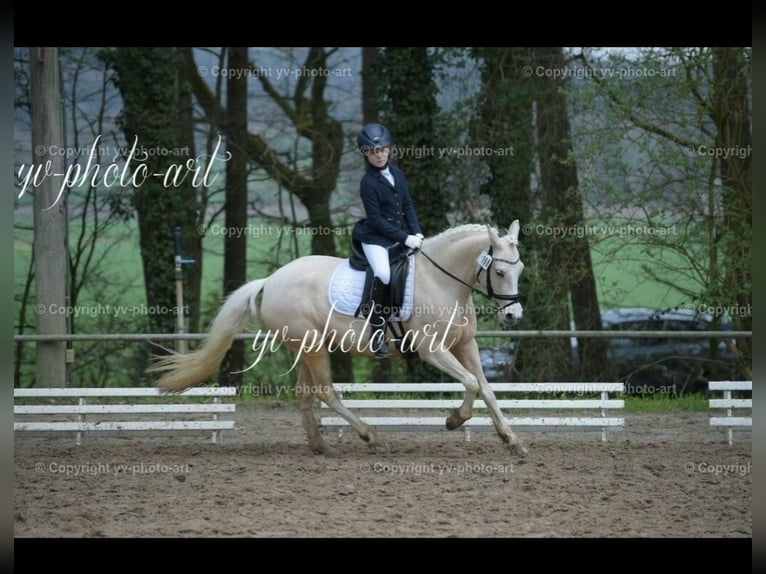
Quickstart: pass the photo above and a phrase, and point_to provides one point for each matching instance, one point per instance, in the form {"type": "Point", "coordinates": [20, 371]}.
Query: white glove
{"type": "Point", "coordinates": [414, 242]}
{"type": "Point", "coordinates": [419, 235]}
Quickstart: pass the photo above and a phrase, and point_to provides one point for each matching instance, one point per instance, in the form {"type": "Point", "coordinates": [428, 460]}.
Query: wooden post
{"type": "Point", "coordinates": [182, 346]}
{"type": "Point", "coordinates": [50, 248]}
{"type": "Point", "coordinates": [729, 430]}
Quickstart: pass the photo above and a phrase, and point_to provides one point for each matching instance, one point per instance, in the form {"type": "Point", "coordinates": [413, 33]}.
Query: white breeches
{"type": "Point", "coordinates": [377, 255]}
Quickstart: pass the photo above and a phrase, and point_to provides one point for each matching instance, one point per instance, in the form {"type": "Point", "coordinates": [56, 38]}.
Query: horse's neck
{"type": "Point", "coordinates": [458, 256]}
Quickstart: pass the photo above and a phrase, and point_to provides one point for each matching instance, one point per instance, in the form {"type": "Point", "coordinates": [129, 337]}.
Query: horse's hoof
{"type": "Point", "coordinates": [453, 422]}
{"type": "Point", "coordinates": [325, 450]}
{"type": "Point", "coordinates": [520, 450]}
{"type": "Point", "coordinates": [379, 448]}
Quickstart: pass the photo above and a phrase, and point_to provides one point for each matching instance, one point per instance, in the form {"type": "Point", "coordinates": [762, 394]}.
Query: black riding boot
{"type": "Point", "coordinates": [379, 318]}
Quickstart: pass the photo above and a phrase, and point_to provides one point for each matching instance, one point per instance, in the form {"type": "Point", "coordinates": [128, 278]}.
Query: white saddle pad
{"type": "Point", "coordinates": [347, 284]}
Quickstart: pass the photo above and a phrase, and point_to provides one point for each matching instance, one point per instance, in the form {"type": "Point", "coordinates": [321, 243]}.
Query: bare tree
{"type": "Point", "coordinates": [96, 214]}
{"type": "Point", "coordinates": [677, 145]}
{"type": "Point", "coordinates": [308, 112]}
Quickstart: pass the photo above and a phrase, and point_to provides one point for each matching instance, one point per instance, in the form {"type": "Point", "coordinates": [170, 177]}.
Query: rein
{"type": "Point", "coordinates": [485, 264]}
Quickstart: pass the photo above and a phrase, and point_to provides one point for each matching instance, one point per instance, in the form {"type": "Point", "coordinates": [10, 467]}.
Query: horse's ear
{"type": "Point", "coordinates": [492, 233]}
{"type": "Point", "coordinates": [513, 231]}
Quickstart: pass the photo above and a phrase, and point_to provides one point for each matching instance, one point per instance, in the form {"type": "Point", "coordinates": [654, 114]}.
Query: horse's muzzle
{"type": "Point", "coordinates": [512, 314]}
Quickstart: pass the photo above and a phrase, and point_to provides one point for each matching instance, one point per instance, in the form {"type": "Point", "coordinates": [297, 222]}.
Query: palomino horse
{"type": "Point", "coordinates": [441, 328]}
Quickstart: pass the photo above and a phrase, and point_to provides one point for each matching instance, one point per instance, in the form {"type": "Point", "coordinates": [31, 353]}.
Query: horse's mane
{"type": "Point", "coordinates": [459, 230]}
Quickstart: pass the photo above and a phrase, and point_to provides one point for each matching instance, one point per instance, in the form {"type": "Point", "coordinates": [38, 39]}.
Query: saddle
{"type": "Point", "coordinates": [398, 260]}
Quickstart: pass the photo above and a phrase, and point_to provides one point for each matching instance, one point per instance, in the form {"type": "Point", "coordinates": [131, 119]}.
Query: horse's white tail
{"type": "Point", "coordinates": [191, 369]}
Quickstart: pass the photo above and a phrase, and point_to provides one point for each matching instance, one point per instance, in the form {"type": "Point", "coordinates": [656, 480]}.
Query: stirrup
{"type": "Point", "coordinates": [380, 348]}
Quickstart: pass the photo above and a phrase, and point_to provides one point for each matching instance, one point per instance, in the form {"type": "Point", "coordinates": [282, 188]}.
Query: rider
{"type": "Point", "coordinates": [390, 219]}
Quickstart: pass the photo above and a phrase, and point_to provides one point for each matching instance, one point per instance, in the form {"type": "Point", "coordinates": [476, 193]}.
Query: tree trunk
{"type": "Point", "coordinates": [505, 110]}
{"type": "Point", "coordinates": [506, 119]}
{"type": "Point", "coordinates": [155, 113]}
{"type": "Point", "coordinates": [192, 239]}
{"type": "Point", "coordinates": [50, 240]}
{"type": "Point", "coordinates": [570, 254]}
{"type": "Point", "coordinates": [235, 245]}
{"type": "Point", "coordinates": [410, 115]}
{"type": "Point", "coordinates": [511, 107]}
{"type": "Point", "coordinates": [409, 112]}
{"type": "Point", "coordinates": [370, 93]}
{"type": "Point", "coordinates": [731, 114]}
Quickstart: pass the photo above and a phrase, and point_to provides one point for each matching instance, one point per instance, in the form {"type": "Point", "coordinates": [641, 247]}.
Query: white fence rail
{"type": "Point", "coordinates": [408, 417]}
{"type": "Point", "coordinates": [90, 418]}
{"type": "Point", "coordinates": [729, 421]}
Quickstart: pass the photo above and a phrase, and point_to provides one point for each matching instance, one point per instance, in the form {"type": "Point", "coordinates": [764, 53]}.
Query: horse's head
{"type": "Point", "coordinates": [502, 267]}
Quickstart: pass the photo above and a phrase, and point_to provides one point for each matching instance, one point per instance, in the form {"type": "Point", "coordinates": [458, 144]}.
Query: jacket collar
{"type": "Point", "coordinates": [380, 177]}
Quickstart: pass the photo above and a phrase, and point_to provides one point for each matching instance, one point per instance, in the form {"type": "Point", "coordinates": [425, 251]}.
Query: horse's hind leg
{"type": "Point", "coordinates": [305, 397]}
{"type": "Point", "coordinates": [319, 366]}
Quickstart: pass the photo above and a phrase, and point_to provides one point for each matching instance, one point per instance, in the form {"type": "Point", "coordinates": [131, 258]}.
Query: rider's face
{"type": "Point", "coordinates": [378, 156]}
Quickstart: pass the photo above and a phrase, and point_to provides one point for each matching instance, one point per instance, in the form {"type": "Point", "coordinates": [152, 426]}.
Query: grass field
{"type": "Point", "coordinates": [622, 281]}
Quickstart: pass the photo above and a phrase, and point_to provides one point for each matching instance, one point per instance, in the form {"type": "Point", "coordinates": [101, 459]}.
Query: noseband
{"type": "Point", "coordinates": [485, 264]}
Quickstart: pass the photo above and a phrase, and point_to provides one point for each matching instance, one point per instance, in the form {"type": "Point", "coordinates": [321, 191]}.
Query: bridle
{"type": "Point", "coordinates": [485, 261]}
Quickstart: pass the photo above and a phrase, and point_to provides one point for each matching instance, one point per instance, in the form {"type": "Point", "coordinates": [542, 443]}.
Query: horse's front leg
{"type": "Point", "coordinates": [446, 362]}
{"type": "Point", "coordinates": [469, 357]}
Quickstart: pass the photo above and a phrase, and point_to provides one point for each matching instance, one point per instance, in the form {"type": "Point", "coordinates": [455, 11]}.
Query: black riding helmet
{"type": "Point", "coordinates": [373, 136]}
